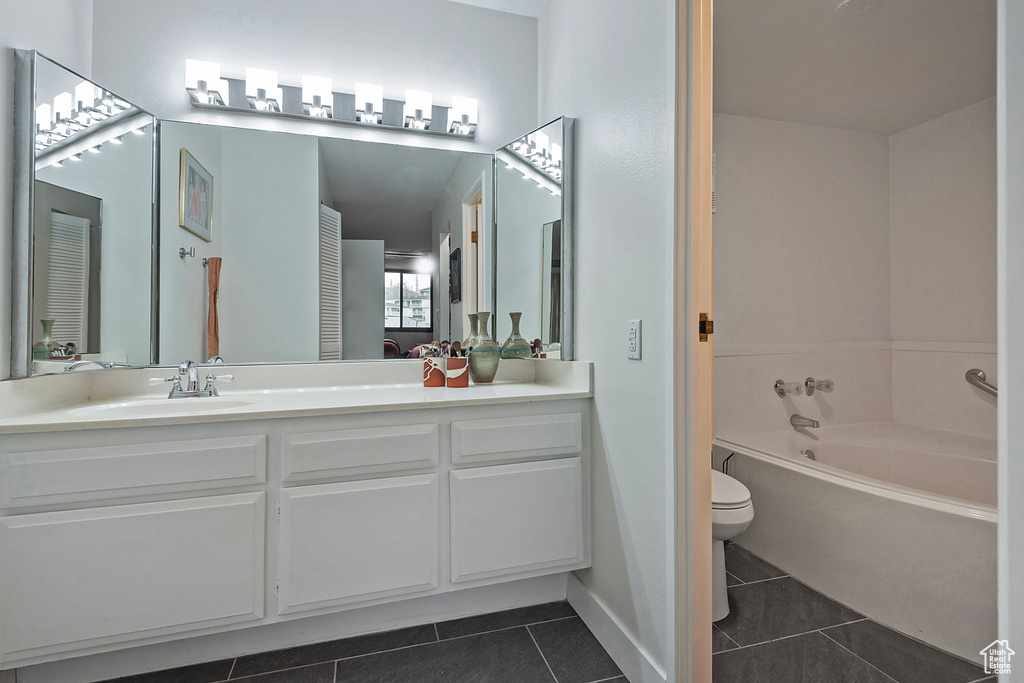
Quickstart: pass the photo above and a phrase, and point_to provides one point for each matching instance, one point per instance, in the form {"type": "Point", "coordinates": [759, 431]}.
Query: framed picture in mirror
{"type": "Point", "coordinates": [455, 276]}
{"type": "Point", "coordinates": [195, 197]}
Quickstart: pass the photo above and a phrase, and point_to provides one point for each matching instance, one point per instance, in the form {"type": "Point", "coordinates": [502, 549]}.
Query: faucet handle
{"type": "Point", "coordinates": [220, 378]}
{"type": "Point", "coordinates": [782, 388]}
{"type": "Point", "coordinates": [153, 381]}
{"type": "Point", "coordinates": [826, 386]}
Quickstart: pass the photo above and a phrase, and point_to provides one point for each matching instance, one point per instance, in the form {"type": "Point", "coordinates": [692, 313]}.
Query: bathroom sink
{"type": "Point", "coordinates": [159, 408]}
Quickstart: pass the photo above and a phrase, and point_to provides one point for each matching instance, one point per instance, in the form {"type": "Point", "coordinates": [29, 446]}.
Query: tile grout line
{"type": "Point", "coordinates": [858, 656]}
{"type": "Point", "coordinates": [771, 578]}
{"type": "Point", "coordinates": [988, 677]}
{"type": "Point", "coordinates": [612, 678]}
{"type": "Point", "coordinates": [507, 628]}
{"type": "Point", "coordinates": [726, 635]}
{"type": "Point", "coordinates": [232, 669]}
{"type": "Point", "coordinates": [775, 640]}
{"type": "Point", "coordinates": [334, 678]}
{"type": "Point", "coordinates": [437, 634]}
{"type": "Point", "coordinates": [536, 645]}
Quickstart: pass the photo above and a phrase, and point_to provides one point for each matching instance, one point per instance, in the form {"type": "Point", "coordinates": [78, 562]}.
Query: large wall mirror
{"type": "Point", "coordinates": [315, 248]}
{"type": "Point", "coordinates": [142, 242]}
{"type": "Point", "coordinates": [83, 222]}
{"type": "Point", "coordinates": [533, 188]}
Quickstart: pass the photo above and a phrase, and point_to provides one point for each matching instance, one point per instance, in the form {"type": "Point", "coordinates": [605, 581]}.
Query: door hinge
{"type": "Point", "coordinates": [472, 236]}
{"type": "Point", "coordinates": [705, 328]}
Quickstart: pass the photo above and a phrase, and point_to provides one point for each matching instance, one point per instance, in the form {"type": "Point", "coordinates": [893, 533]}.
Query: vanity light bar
{"type": "Point", "coordinates": [544, 155]}
{"type": "Point", "coordinates": [71, 115]}
{"type": "Point", "coordinates": [264, 95]}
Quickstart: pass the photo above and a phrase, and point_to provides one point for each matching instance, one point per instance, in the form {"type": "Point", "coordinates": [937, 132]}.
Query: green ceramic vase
{"type": "Point", "coordinates": [515, 346]}
{"type": "Point", "coordinates": [41, 350]}
{"type": "Point", "coordinates": [485, 354]}
{"type": "Point", "coordinates": [468, 344]}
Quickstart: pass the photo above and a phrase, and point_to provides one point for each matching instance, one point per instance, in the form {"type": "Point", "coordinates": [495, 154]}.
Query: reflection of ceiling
{"type": "Point", "coordinates": [900, 64]}
{"type": "Point", "coordinates": [528, 8]}
{"type": "Point", "coordinates": [385, 189]}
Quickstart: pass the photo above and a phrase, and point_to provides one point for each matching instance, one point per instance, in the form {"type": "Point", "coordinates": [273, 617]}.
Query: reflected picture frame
{"type": "Point", "coordinates": [195, 197]}
{"type": "Point", "coordinates": [455, 276]}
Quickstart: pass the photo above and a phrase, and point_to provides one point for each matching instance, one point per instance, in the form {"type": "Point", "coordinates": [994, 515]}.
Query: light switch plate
{"type": "Point", "coordinates": [633, 340]}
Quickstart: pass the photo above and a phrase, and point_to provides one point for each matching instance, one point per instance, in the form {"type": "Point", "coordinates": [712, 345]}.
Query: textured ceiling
{"type": "Point", "coordinates": [900, 64]}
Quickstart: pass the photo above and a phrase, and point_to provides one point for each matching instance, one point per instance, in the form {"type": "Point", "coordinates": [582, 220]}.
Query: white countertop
{"type": "Point", "coordinates": [115, 399]}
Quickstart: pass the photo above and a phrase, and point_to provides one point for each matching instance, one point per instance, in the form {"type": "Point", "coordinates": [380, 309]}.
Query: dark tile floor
{"type": "Point", "coordinates": [541, 644]}
{"type": "Point", "coordinates": [780, 630]}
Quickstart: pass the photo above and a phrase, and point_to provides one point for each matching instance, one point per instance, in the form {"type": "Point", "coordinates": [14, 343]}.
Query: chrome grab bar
{"type": "Point", "coordinates": [976, 377]}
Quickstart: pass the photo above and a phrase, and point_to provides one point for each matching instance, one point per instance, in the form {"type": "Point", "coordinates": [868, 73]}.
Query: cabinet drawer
{"type": "Point", "coordinates": [359, 540]}
{"type": "Point", "coordinates": [508, 519]}
{"type": "Point", "coordinates": [81, 578]}
{"type": "Point", "coordinates": [72, 475]}
{"type": "Point", "coordinates": [319, 455]}
{"type": "Point", "coordinates": [516, 437]}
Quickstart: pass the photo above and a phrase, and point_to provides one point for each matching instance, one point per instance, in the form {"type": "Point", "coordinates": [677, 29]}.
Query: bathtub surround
{"type": "Point", "coordinates": [865, 258]}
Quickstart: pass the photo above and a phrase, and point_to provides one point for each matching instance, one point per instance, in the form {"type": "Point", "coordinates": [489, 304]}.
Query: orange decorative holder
{"type": "Point", "coordinates": [433, 372]}
{"type": "Point", "coordinates": [458, 372]}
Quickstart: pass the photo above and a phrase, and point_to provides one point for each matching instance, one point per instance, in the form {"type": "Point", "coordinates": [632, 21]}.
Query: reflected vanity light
{"type": "Point", "coordinates": [418, 109]}
{"type": "Point", "coordinates": [369, 103]}
{"type": "Point", "coordinates": [85, 111]}
{"type": "Point", "coordinates": [74, 149]}
{"type": "Point", "coordinates": [261, 90]}
{"type": "Point", "coordinates": [204, 84]}
{"type": "Point", "coordinates": [316, 96]}
{"type": "Point", "coordinates": [264, 95]}
{"type": "Point", "coordinates": [529, 171]}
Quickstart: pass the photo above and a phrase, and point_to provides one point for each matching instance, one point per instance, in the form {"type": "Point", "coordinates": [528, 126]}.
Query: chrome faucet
{"type": "Point", "coordinates": [801, 421]}
{"type": "Point", "coordinates": [71, 367]}
{"type": "Point", "coordinates": [190, 371]}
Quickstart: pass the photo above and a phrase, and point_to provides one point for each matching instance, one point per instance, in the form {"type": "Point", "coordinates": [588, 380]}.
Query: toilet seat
{"type": "Point", "coordinates": [727, 493]}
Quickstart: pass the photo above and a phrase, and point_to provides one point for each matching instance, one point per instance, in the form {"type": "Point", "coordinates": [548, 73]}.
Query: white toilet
{"type": "Point", "coordinates": [731, 513]}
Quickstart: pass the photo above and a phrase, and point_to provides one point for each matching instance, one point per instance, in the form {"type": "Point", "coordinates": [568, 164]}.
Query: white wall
{"type": "Point", "coordinates": [269, 285]}
{"type": "Point", "coordinates": [801, 278]}
{"type": "Point", "coordinates": [445, 48]}
{"type": "Point", "coordinates": [121, 176]}
{"type": "Point", "coordinates": [447, 215]}
{"type": "Point", "coordinates": [1010, 107]}
{"type": "Point", "coordinates": [183, 282]}
{"type": "Point", "coordinates": [864, 259]}
{"type": "Point", "coordinates": [942, 177]}
{"type": "Point", "coordinates": [611, 65]}
{"type": "Point", "coordinates": [62, 30]}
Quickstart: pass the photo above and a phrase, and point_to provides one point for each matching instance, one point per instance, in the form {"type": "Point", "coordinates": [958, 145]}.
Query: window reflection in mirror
{"type": "Point", "coordinates": [528, 190]}
{"type": "Point", "coordinates": [92, 228]}
{"type": "Point", "coordinates": [281, 203]}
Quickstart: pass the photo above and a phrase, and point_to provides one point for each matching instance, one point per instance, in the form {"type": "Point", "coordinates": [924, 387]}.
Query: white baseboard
{"type": "Point", "coordinates": [345, 624]}
{"type": "Point", "coordinates": [628, 655]}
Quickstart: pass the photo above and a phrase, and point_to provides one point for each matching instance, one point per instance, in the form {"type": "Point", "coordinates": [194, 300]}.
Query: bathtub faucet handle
{"type": "Point", "coordinates": [782, 388]}
{"type": "Point", "coordinates": [826, 386]}
{"type": "Point", "coordinates": [799, 421]}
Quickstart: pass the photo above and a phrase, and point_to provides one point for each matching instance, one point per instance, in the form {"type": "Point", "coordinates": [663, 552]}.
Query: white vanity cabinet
{"type": "Point", "coordinates": [116, 537]}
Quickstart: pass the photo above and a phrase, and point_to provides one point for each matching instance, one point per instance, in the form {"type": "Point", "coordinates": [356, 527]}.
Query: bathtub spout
{"type": "Point", "coordinates": [801, 421]}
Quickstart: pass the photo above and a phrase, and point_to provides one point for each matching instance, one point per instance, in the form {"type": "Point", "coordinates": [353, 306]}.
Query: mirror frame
{"type": "Point", "coordinates": [22, 251]}
{"type": "Point", "coordinates": [568, 261]}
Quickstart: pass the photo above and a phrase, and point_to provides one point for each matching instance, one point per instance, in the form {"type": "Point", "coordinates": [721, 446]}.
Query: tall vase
{"type": "Point", "coordinates": [515, 346]}
{"type": "Point", "coordinates": [485, 354]}
{"type": "Point", "coordinates": [468, 344]}
{"type": "Point", "coordinates": [41, 350]}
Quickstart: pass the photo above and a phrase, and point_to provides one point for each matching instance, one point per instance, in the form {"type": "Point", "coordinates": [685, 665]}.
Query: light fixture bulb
{"type": "Point", "coordinates": [369, 103]}
{"type": "Point", "coordinates": [57, 164]}
{"type": "Point", "coordinates": [261, 89]}
{"type": "Point", "coordinates": [215, 87]}
{"type": "Point", "coordinates": [95, 150]}
{"type": "Point", "coordinates": [418, 107]}
{"type": "Point", "coordinates": [117, 140]}
{"type": "Point", "coordinates": [76, 157]}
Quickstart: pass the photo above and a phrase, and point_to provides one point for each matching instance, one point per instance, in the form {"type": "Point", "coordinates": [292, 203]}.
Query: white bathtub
{"type": "Point", "coordinates": [896, 522]}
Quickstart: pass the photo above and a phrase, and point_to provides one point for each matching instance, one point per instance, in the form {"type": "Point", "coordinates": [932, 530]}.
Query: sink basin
{"type": "Point", "coordinates": [163, 407]}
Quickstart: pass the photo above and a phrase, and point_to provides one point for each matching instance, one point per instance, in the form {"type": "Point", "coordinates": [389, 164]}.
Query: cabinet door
{"type": "Point", "coordinates": [509, 519]}
{"type": "Point", "coordinates": [83, 578]}
{"type": "Point", "coordinates": [357, 541]}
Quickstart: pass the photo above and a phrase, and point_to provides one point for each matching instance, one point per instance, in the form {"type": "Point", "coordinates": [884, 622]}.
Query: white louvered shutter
{"type": "Point", "coordinates": [330, 284]}
{"type": "Point", "coordinates": [67, 297]}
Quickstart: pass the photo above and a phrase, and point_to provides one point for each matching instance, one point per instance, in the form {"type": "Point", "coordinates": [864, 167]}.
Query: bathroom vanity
{"type": "Point", "coordinates": [127, 518]}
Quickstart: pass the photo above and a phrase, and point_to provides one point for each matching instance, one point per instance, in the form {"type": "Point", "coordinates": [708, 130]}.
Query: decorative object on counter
{"type": "Point", "coordinates": [456, 350]}
{"type": "Point", "coordinates": [44, 348]}
{"type": "Point", "coordinates": [516, 346]}
{"type": "Point", "coordinates": [485, 354]}
{"type": "Point", "coordinates": [473, 325]}
{"type": "Point", "coordinates": [537, 349]}
{"type": "Point", "coordinates": [433, 371]}
{"type": "Point", "coordinates": [195, 198]}
{"type": "Point", "coordinates": [457, 370]}
{"type": "Point", "coordinates": [213, 317]}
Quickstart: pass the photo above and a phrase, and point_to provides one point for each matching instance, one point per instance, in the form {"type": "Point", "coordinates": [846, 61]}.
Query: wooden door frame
{"type": "Point", "coordinates": [693, 376]}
